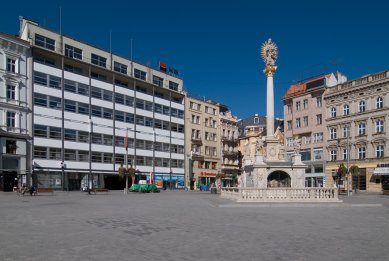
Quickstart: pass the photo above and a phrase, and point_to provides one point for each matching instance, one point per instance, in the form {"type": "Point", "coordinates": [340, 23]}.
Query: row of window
{"type": "Point", "coordinates": [305, 104]}
{"type": "Point", "coordinates": [98, 93]}
{"type": "Point", "coordinates": [103, 157]}
{"type": "Point", "coordinates": [102, 112]}
{"type": "Point", "coordinates": [73, 69]}
{"type": "Point", "coordinates": [305, 123]}
{"type": "Point", "coordinates": [103, 139]}
{"type": "Point", "coordinates": [197, 107]}
{"type": "Point", "coordinates": [209, 151]}
{"type": "Point", "coordinates": [379, 104]}
{"type": "Point", "coordinates": [379, 128]}
{"type": "Point", "coordinates": [306, 154]}
{"type": "Point", "coordinates": [314, 138]}
{"type": "Point", "coordinates": [206, 164]}
{"type": "Point", "coordinates": [76, 53]}
{"type": "Point", "coordinates": [196, 135]}
{"type": "Point", "coordinates": [379, 153]}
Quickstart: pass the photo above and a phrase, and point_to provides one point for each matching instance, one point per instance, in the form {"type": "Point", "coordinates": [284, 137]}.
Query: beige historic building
{"type": "Point", "coordinates": [229, 133]}
{"type": "Point", "coordinates": [304, 111]}
{"type": "Point", "coordinates": [253, 129]}
{"type": "Point", "coordinates": [357, 124]}
{"type": "Point", "coordinates": [202, 142]}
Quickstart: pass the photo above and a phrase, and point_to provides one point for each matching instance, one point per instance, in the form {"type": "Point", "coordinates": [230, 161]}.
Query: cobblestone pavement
{"type": "Point", "coordinates": [189, 225]}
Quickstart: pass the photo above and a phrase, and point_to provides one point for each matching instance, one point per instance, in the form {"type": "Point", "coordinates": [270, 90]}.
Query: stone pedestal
{"type": "Point", "coordinates": [272, 149]}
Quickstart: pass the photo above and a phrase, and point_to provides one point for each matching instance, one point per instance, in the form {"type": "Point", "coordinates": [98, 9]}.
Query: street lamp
{"type": "Point", "coordinates": [170, 180]}
{"type": "Point", "coordinates": [90, 153]}
{"type": "Point", "coordinates": [126, 172]}
{"type": "Point", "coordinates": [348, 161]}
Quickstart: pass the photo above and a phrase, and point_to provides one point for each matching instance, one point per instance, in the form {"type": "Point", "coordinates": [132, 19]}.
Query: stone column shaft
{"type": "Point", "coordinates": [270, 107]}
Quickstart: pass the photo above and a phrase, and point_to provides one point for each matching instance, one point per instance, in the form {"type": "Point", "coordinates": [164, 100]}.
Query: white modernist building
{"type": "Point", "coordinates": [14, 112]}
{"type": "Point", "coordinates": [89, 103]}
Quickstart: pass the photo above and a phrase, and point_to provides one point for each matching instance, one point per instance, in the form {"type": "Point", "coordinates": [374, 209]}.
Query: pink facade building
{"type": "Point", "coordinates": [304, 122]}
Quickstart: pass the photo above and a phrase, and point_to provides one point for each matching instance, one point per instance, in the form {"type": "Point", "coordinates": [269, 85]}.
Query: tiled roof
{"type": "Point", "coordinates": [302, 87]}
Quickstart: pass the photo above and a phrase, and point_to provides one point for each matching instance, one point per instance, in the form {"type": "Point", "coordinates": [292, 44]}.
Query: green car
{"type": "Point", "coordinates": [146, 188]}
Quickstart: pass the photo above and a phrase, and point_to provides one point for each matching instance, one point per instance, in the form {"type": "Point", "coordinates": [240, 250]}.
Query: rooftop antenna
{"type": "Point", "coordinates": [60, 20]}
{"type": "Point", "coordinates": [131, 51]}
{"type": "Point", "coordinates": [110, 41]}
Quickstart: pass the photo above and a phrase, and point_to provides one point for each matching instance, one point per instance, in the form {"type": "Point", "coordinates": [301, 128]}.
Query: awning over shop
{"type": "Point", "coordinates": [381, 171]}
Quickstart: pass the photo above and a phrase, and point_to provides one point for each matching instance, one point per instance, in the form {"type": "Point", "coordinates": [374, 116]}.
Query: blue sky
{"type": "Point", "coordinates": [216, 44]}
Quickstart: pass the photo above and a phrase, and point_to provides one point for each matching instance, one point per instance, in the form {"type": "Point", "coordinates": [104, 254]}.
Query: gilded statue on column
{"type": "Point", "coordinates": [269, 53]}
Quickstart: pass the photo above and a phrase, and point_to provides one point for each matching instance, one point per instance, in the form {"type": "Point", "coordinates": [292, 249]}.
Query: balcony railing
{"type": "Point", "coordinates": [14, 102]}
{"type": "Point", "coordinates": [14, 130]}
{"type": "Point", "coordinates": [281, 194]}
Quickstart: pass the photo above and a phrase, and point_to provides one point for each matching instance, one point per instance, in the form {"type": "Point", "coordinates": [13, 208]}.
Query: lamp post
{"type": "Point", "coordinates": [348, 161]}
{"type": "Point", "coordinates": [90, 153]}
{"type": "Point", "coordinates": [170, 180]}
{"type": "Point", "coordinates": [126, 172]}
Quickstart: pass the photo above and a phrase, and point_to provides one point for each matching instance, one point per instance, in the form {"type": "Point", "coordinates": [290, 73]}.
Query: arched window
{"type": "Point", "coordinates": [333, 112]}
{"type": "Point", "coordinates": [379, 103]}
{"type": "Point", "coordinates": [362, 106]}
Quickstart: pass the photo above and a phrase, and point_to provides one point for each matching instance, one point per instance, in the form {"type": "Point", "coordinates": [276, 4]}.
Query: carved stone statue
{"type": "Point", "coordinates": [297, 145]}
{"type": "Point", "coordinates": [259, 147]}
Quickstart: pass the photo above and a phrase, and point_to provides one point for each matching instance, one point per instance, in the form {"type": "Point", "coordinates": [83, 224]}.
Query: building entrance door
{"type": "Point", "coordinates": [8, 181]}
{"type": "Point", "coordinates": [359, 181]}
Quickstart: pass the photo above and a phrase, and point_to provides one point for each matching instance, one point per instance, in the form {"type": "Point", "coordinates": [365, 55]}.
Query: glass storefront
{"type": "Point", "coordinates": [167, 181]}
{"type": "Point", "coordinates": [70, 181]}
{"type": "Point", "coordinates": [359, 181]}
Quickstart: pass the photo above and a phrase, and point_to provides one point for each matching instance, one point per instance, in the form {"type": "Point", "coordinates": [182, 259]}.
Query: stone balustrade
{"type": "Point", "coordinates": [280, 194]}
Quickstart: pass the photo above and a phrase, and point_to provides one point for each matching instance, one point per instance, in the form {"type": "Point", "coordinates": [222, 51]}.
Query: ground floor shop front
{"type": "Point", "coordinates": [367, 179]}
{"type": "Point", "coordinates": [79, 179]}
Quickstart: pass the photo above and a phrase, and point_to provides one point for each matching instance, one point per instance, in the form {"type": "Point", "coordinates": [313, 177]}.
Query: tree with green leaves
{"type": "Point", "coordinates": [124, 173]}
{"type": "Point", "coordinates": [342, 172]}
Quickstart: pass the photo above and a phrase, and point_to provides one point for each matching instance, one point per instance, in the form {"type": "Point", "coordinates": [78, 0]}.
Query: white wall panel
{"type": "Point", "coordinates": [76, 145]}
{"type": "Point", "coordinates": [124, 91]}
{"type": "Point", "coordinates": [102, 85]}
{"type": "Point", "coordinates": [102, 166]}
{"type": "Point", "coordinates": [144, 113]}
{"type": "Point", "coordinates": [47, 91]}
{"type": "Point", "coordinates": [76, 97]}
{"type": "Point", "coordinates": [76, 77]}
{"type": "Point", "coordinates": [47, 142]}
{"type": "Point", "coordinates": [76, 165]}
{"type": "Point", "coordinates": [78, 126]}
{"type": "Point", "coordinates": [47, 69]}
{"type": "Point", "coordinates": [124, 108]}
{"type": "Point", "coordinates": [44, 111]}
{"type": "Point", "coordinates": [102, 148]}
{"type": "Point", "coordinates": [102, 103]}
{"type": "Point", "coordinates": [162, 117]}
{"type": "Point", "coordinates": [143, 96]}
{"type": "Point", "coordinates": [47, 121]}
{"type": "Point", "coordinates": [162, 101]}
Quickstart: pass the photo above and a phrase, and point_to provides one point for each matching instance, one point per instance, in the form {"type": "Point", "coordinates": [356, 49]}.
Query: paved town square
{"type": "Point", "coordinates": [190, 225]}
